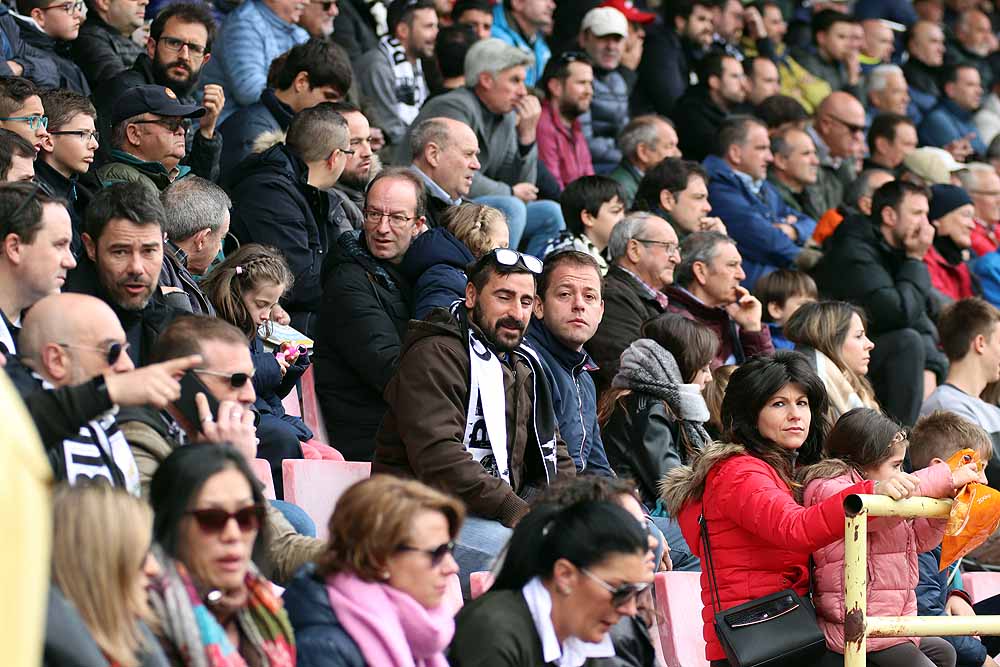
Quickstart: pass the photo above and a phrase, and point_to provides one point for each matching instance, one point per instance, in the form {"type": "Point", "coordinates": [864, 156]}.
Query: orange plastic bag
{"type": "Point", "coordinates": [975, 513]}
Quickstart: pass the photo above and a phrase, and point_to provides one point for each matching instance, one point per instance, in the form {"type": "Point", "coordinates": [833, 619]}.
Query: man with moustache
{"type": "Point", "coordinates": [562, 147]}
{"type": "Point", "coordinates": [362, 166]}
{"type": "Point", "coordinates": [451, 421]}
{"type": "Point", "coordinates": [392, 76]}
{"type": "Point", "coordinates": [179, 46]}
{"type": "Point", "coordinates": [446, 157]}
{"type": "Point", "coordinates": [123, 239]}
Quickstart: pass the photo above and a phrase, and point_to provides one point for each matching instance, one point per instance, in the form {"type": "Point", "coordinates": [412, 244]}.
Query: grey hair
{"type": "Point", "coordinates": [640, 130]}
{"type": "Point", "coordinates": [878, 78]}
{"type": "Point", "coordinates": [193, 204]}
{"type": "Point", "coordinates": [429, 131]}
{"type": "Point", "coordinates": [970, 175]}
{"type": "Point", "coordinates": [633, 226]}
{"type": "Point", "coordinates": [492, 56]}
{"type": "Point", "coordinates": [862, 186]}
{"type": "Point", "coordinates": [698, 247]}
{"type": "Point", "coordinates": [119, 133]}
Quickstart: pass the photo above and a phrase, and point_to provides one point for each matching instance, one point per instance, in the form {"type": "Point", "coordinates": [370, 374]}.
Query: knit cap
{"type": "Point", "coordinates": [945, 199]}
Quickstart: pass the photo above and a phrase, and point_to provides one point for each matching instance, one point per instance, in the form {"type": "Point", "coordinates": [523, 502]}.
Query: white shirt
{"type": "Point", "coordinates": [573, 652]}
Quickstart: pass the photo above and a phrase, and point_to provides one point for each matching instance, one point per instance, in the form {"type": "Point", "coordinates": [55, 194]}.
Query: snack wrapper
{"type": "Point", "coordinates": [975, 513]}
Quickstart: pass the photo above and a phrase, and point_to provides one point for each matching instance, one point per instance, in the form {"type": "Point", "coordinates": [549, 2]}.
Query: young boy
{"type": "Point", "coordinates": [935, 438]}
{"type": "Point", "coordinates": [591, 206]}
{"type": "Point", "coordinates": [781, 293]}
{"type": "Point", "coordinates": [68, 153]}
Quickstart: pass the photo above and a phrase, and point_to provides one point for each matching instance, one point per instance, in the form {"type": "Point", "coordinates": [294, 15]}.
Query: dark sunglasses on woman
{"type": "Point", "coordinates": [437, 554]}
{"type": "Point", "coordinates": [214, 519]}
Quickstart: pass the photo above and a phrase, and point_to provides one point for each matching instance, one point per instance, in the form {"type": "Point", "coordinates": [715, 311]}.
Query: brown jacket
{"type": "Point", "coordinates": [421, 434]}
{"type": "Point", "coordinates": [279, 552]}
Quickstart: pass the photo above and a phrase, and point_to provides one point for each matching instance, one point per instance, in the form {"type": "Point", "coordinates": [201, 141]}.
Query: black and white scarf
{"type": "Point", "coordinates": [486, 415]}
{"type": "Point", "coordinates": [409, 86]}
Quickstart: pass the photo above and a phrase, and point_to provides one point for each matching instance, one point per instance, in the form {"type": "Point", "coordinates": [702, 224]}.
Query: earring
{"type": "Point", "coordinates": [385, 575]}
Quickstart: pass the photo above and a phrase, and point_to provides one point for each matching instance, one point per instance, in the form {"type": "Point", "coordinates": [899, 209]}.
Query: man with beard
{"type": "Point", "coordinates": [446, 156]}
{"type": "Point", "coordinates": [452, 421]}
{"type": "Point", "coordinates": [701, 110]}
{"type": "Point", "coordinates": [179, 45]}
{"type": "Point", "coordinates": [123, 239]}
{"type": "Point", "coordinates": [392, 76]}
{"type": "Point", "coordinates": [361, 167]}
{"type": "Point", "coordinates": [318, 16]}
{"type": "Point", "coordinates": [569, 87]}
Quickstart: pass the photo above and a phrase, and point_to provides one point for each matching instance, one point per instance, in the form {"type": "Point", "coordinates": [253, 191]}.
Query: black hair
{"type": "Point", "coordinates": [401, 11]}
{"type": "Point", "coordinates": [11, 144]}
{"type": "Point", "coordinates": [177, 482]}
{"type": "Point", "coordinates": [777, 110]}
{"type": "Point", "coordinates": [185, 12]}
{"type": "Point", "coordinates": [584, 533]}
{"type": "Point", "coordinates": [21, 211]}
{"type": "Point", "coordinates": [480, 271]}
{"type": "Point", "coordinates": [863, 437]}
{"type": "Point", "coordinates": [683, 9]}
{"type": "Point", "coordinates": [558, 68]}
{"type": "Point", "coordinates": [884, 126]}
{"type": "Point", "coordinates": [671, 174]}
{"type": "Point", "coordinates": [891, 195]}
{"type": "Point", "coordinates": [463, 6]}
{"type": "Point", "coordinates": [824, 20]}
{"type": "Point", "coordinates": [135, 202]}
{"type": "Point", "coordinates": [14, 90]}
{"type": "Point", "coordinates": [587, 193]}
{"type": "Point", "coordinates": [453, 42]}
{"type": "Point", "coordinates": [751, 386]}
{"type": "Point", "coordinates": [325, 62]}
{"type": "Point", "coordinates": [949, 74]}
{"type": "Point", "coordinates": [711, 65]}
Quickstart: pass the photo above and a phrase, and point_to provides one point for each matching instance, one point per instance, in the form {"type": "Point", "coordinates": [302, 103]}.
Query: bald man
{"type": "Point", "coordinates": [76, 340]}
{"type": "Point", "coordinates": [446, 157]}
{"type": "Point", "coordinates": [839, 133]}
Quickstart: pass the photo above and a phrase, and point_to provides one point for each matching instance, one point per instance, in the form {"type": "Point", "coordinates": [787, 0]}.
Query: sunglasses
{"type": "Point", "coordinates": [508, 257]}
{"type": "Point", "coordinates": [437, 555]}
{"type": "Point", "coordinates": [171, 124]}
{"type": "Point", "coordinates": [621, 595]}
{"type": "Point", "coordinates": [214, 520]}
{"type": "Point", "coordinates": [112, 352]}
{"type": "Point", "coordinates": [236, 380]}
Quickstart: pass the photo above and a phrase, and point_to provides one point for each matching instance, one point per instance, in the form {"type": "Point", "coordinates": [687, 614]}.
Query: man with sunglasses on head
{"type": "Point", "coordinates": [50, 26]}
{"type": "Point", "coordinates": [281, 198]}
{"type": "Point", "coordinates": [470, 411]}
{"type": "Point", "coordinates": [226, 371]}
{"type": "Point", "coordinates": [366, 305]}
{"type": "Point", "coordinates": [179, 46]}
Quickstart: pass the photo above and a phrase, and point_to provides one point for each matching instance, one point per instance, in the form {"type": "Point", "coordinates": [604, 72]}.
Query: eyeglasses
{"type": "Point", "coordinates": [171, 124]}
{"type": "Point", "coordinates": [669, 246]}
{"type": "Point", "coordinates": [175, 45]}
{"type": "Point", "coordinates": [68, 7]}
{"type": "Point", "coordinates": [851, 127]}
{"type": "Point", "coordinates": [622, 595]}
{"type": "Point", "coordinates": [112, 352]}
{"type": "Point", "coordinates": [397, 220]}
{"type": "Point", "coordinates": [567, 57]}
{"type": "Point", "coordinates": [437, 555]}
{"type": "Point", "coordinates": [214, 520]}
{"type": "Point", "coordinates": [86, 135]}
{"type": "Point", "coordinates": [34, 121]}
{"type": "Point", "coordinates": [345, 151]}
{"type": "Point", "coordinates": [325, 6]}
{"type": "Point", "coordinates": [236, 380]}
{"type": "Point", "coordinates": [508, 257]}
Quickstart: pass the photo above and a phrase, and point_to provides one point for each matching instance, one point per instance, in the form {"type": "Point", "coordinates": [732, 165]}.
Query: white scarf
{"type": "Point", "coordinates": [486, 416]}
{"type": "Point", "coordinates": [409, 87]}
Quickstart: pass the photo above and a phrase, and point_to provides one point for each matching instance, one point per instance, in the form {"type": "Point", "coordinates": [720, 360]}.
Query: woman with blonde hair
{"type": "Point", "coordinates": [832, 336]}
{"type": "Point", "coordinates": [436, 261]}
{"type": "Point", "coordinates": [376, 595]}
{"type": "Point", "coordinates": [102, 566]}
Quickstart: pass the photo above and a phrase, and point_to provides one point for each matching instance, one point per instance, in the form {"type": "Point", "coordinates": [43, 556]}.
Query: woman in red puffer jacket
{"type": "Point", "coordinates": [761, 538]}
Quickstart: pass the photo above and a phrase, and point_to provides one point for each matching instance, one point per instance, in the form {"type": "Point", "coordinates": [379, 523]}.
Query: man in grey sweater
{"type": "Point", "coordinates": [495, 103]}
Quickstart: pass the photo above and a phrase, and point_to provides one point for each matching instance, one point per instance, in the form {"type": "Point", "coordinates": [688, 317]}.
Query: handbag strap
{"type": "Point", "coordinates": [707, 549]}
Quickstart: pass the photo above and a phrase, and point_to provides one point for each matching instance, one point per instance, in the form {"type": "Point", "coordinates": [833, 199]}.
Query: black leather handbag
{"type": "Point", "coordinates": [777, 630]}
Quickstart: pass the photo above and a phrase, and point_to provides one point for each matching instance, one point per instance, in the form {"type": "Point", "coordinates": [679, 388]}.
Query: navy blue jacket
{"type": "Point", "coordinates": [932, 596]}
{"type": "Point", "coordinates": [435, 265]}
{"type": "Point", "coordinates": [320, 639]}
{"type": "Point", "coordinates": [244, 127]}
{"type": "Point", "coordinates": [947, 122]}
{"type": "Point", "coordinates": [750, 220]}
{"type": "Point", "coordinates": [574, 398]}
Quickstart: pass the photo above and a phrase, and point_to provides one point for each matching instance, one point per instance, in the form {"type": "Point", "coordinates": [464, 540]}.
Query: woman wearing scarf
{"type": "Point", "coordinates": [376, 595]}
{"type": "Point", "coordinates": [213, 609]}
{"type": "Point", "coordinates": [952, 214]}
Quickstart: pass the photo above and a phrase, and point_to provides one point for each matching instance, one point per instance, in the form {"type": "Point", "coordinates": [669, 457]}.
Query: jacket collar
{"type": "Point", "coordinates": [281, 111]}
{"type": "Point", "coordinates": [696, 306]}
{"type": "Point", "coordinates": [153, 168]}
{"type": "Point", "coordinates": [571, 360]}
{"type": "Point", "coordinates": [557, 121]}
{"type": "Point", "coordinates": [956, 111]}
{"type": "Point", "coordinates": [59, 184]}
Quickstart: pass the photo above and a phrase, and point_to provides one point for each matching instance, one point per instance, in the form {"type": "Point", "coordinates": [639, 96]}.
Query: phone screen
{"type": "Point", "coordinates": [191, 386]}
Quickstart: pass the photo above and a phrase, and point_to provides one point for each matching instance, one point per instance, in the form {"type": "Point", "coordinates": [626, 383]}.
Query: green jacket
{"type": "Point", "coordinates": [127, 168]}
{"type": "Point", "coordinates": [813, 201]}
{"type": "Point", "coordinates": [628, 176]}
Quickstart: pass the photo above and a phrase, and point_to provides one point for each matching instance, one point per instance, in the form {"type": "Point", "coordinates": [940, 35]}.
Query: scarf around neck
{"type": "Point", "coordinates": [390, 628]}
{"type": "Point", "coordinates": [408, 85]}
{"type": "Point", "coordinates": [648, 368]}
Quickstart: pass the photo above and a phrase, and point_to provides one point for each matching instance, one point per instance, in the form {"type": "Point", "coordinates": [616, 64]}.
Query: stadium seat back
{"type": "Point", "coordinates": [262, 469]}
{"type": "Point", "coordinates": [315, 486]}
{"type": "Point", "coordinates": [678, 618]}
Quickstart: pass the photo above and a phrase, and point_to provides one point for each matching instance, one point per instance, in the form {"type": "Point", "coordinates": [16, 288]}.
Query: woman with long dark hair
{"type": "Point", "coordinates": [774, 419]}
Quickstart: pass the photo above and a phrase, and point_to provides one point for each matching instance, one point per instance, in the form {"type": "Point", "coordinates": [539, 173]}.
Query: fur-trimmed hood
{"type": "Point", "coordinates": [685, 483]}
{"type": "Point", "coordinates": [825, 469]}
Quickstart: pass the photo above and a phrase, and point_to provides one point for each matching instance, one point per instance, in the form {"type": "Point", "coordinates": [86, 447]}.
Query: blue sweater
{"type": "Point", "coordinates": [947, 122]}
{"type": "Point", "coordinates": [511, 35]}
{"type": "Point", "coordinates": [751, 221]}
{"type": "Point", "coordinates": [251, 37]}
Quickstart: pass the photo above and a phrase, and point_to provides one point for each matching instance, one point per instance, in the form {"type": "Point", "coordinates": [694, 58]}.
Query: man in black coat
{"type": "Point", "coordinates": [179, 46]}
{"type": "Point", "coordinates": [702, 108]}
{"type": "Point", "coordinates": [105, 46]}
{"type": "Point", "coordinates": [879, 266]}
{"type": "Point", "coordinates": [280, 199]}
{"type": "Point", "coordinates": [366, 307]}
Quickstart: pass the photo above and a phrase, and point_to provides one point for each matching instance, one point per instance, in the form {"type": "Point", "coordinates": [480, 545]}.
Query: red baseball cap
{"type": "Point", "coordinates": [631, 13]}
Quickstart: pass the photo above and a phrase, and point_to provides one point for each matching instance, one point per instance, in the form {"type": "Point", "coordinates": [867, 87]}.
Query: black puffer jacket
{"type": "Point", "coordinates": [366, 306]}
{"type": "Point", "coordinates": [70, 75]}
{"type": "Point", "coordinates": [101, 51]}
{"type": "Point", "coordinates": [320, 639]}
{"type": "Point", "coordinates": [245, 126]}
{"type": "Point", "coordinates": [274, 204]}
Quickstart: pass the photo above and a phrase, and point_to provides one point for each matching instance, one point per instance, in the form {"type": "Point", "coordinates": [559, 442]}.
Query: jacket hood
{"type": "Point", "coordinates": [686, 483]}
{"type": "Point", "coordinates": [439, 322]}
{"type": "Point", "coordinates": [433, 247]}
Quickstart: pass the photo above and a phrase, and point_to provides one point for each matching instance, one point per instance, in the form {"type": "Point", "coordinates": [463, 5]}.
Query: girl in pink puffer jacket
{"type": "Point", "coordinates": [864, 445]}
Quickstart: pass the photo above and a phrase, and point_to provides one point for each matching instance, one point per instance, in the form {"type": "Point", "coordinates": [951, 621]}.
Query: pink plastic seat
{"type": "Point", "coordinates": [315, 486]}
{"type": "Point", "coordinates": [678, 618]}
{"type": "Point", "coordinates": [292, 404]}
{"type": "Point", "coordinates": [479, 583]}
{"type": "Point", "coordinates": [981, 585]}
{"type": "Point", "coordinates": [453, 596]}
{"type": "Point", "coordinates": [311, 413]}
{"type": "Point", "coordinates": [262, 469]}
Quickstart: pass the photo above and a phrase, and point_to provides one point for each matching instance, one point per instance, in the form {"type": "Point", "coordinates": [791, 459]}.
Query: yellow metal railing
{"type": "Point", "coordinates": [858, 626]}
